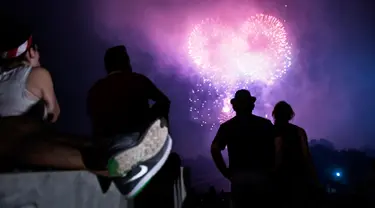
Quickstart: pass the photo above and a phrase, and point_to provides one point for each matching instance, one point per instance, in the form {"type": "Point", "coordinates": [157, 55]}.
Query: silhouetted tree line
{"type": "Point", "coordinates": [348, 167]}
{"type": "Point", "coordinates": [347, 177]}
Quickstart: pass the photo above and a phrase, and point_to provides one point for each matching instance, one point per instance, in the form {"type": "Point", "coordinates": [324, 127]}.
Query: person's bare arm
{"type": "Point", "coordinates": [217, 146]}
{"type": "Point", "coordinates": [306, 153]}
{"type": "Point", "coordinates": [157, 95]}
{"type": "Point", "coordinates": [40, 84]}
{"type": "Point", "coordinates": [305, 146]}
{"type": "Point", "coordinates": [219, 160]}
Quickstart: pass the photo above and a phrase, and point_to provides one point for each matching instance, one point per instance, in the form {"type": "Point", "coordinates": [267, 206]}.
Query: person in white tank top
{"type": "Point", "coordinates": [15, 98]}
{"type": "Point", "coordinates": [24, 84]}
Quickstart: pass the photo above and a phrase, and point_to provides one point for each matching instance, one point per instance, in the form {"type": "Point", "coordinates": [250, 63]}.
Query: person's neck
{"type": "Point", "coordinates": [120, 71]}
{"type": "Point", "coordinates": [117, 72]}
{"type": "Point", "coordinates": [244, 114]}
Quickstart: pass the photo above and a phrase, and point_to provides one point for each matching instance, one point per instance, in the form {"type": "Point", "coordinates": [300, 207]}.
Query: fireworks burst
{"type": "Point", "coordinates": [229, 58]}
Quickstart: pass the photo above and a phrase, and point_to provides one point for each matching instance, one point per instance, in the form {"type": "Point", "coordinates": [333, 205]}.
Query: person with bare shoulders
{"type": "Point", "coordinates": [250, 143]}
{"type": "Point", "coordinates": [28, 108]}
{"type": "Point", "coordinates": [294, 166]}
{"type": "Point", "coordinates": [133, 132]}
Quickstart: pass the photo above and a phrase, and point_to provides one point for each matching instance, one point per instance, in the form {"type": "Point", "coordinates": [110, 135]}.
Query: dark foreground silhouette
{"type": "Point", "coordinates": [250, 142]}
{"type": "Point", "coordinates": [267, 162]}
{"type": "Point", "coordinates": [296, 179]}
{"type": "Point", "coordinates": [131, 141]}
{"type": "Point", "coordinates": [119, 108]}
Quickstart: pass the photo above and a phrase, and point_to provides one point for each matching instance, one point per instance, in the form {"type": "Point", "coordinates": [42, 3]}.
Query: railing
{"type": "Point", "coordinates": [167, 189]}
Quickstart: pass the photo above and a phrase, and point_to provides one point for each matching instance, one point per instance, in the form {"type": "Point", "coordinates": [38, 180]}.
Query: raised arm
{"type": "Point", "coordinates": [162, 102]}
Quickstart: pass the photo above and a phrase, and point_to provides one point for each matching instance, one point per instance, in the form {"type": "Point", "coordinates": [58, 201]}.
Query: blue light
{"type": "Point", "coordinates": [338, 174]}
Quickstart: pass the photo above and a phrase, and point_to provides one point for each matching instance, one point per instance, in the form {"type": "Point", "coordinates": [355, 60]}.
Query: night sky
{"type": "Point", "coordinates": [330, 84]}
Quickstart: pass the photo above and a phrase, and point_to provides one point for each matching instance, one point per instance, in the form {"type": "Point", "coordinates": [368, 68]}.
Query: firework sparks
{"type": "Point", "coordinates": [228, 59]}
{"type": "Point", "coordinates": [226, 111]}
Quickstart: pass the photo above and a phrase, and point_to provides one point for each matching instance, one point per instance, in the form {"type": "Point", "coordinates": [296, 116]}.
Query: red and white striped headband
{"type": "Point", "coordinates": [15, 52]}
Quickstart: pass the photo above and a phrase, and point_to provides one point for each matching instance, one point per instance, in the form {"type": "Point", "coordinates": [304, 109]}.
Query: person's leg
{"type": "Point", "coordinates": [12, 132]}
{"type": "Point", "coordinates": [240, 196]}
{"type": "Point", "coordinates": [135, 180]}
{"type": "Point", "coordinates": [30, 143]}
{"type": "Point", "coordinates": [51, 152]}
{"type": "Point", "coordinates": [133, 149]}
{"type": "Point", "coordinates": [139, 158]}
{"type": "Point", "coordinates": [42, 152]}
{"type": "Point", "coordinates": [251, 189]}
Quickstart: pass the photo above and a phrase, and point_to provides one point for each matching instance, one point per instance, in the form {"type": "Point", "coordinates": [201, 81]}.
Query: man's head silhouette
{"type": "Point", "coordinates": [117, 59]}
{"type": "Point", "coordinates": [283, 112]}
{"type": "Point", "coordinates": [243, 102]}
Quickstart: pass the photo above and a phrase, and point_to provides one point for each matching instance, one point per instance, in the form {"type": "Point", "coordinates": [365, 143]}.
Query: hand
{"type": "Point", "coordinates": [163, 122]}
{"type": "Point", "coordinates": [228, 175]}
{"type": "Point", "coordinates": [50, 118]}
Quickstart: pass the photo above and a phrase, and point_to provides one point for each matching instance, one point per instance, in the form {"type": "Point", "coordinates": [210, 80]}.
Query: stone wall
{"type": "Point", "coordinates": [70, 189]}
{"type": "Point", "coordinates": [81, 189]}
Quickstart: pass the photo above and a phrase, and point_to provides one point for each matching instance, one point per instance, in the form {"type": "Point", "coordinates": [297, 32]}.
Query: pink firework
{"type": "Point", "coordinates": [226, 111]}
{"type": "Point", "coordinates": [231, 58]}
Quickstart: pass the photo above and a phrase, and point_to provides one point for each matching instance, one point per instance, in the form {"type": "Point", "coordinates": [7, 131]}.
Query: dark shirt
{"type": "Point", "coordinates": [250, 143]}
{"type": "Point", "coordinates": [119, 103]}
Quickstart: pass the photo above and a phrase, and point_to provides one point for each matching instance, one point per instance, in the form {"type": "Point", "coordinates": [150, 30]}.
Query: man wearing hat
{"type": "Point", "coordinates": [250, 143]}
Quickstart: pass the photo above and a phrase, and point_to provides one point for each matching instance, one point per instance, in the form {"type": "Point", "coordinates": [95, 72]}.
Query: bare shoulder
{"type": "Point", "coordinates": [138, 75]}
{"type": "Point", "coordinates": [299, 129]}
{"type": "Point", "coordinates": [264, 121]}
{"type": "Point", "coordinates": [141, 78]}
{"type": "Point", "coordinates": [38, 79]}
{"type": "Point", "coordinates": [228, 123]}
{"type": "Point", "coordinates": [39, 73]}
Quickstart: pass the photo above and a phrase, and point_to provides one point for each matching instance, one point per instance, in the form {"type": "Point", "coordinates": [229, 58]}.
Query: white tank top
{"type": "Point", "coordinates": [15, 100]}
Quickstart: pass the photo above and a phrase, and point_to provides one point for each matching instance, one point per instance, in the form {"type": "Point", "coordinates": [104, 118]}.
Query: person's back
{"type": "Point", "coordinates": [133, 133]}
{"type": "Point", "coordinates": [295, 170]}
{"type": "Point", "coordinates": [293, 162]}
{"type": "Point", "coordinates": [15, 99]}
{"type": "Point", "coordinates": [119, 103]}
{"type": "Point", "coordinates": [251, 145]}
{"type": "Point", "coordinates": [291, 143]}
{"type": "Point", "coordinates": [23, 82]}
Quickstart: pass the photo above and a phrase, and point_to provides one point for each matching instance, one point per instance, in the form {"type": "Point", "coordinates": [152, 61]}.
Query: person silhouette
{"type": "Point", "coordinates": [294, 164]}
{"type": "Point", "coordinates": [120, 113]}
{"type": "Point", "coordinates": [250, 143]}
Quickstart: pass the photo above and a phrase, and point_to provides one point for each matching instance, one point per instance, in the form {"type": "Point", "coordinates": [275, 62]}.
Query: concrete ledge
{"type": "Point", "coordinates": [70, 189]}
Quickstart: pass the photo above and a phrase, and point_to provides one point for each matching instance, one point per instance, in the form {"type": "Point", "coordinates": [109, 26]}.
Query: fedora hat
{"type": "Point", "coordinates": [243, 96]}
